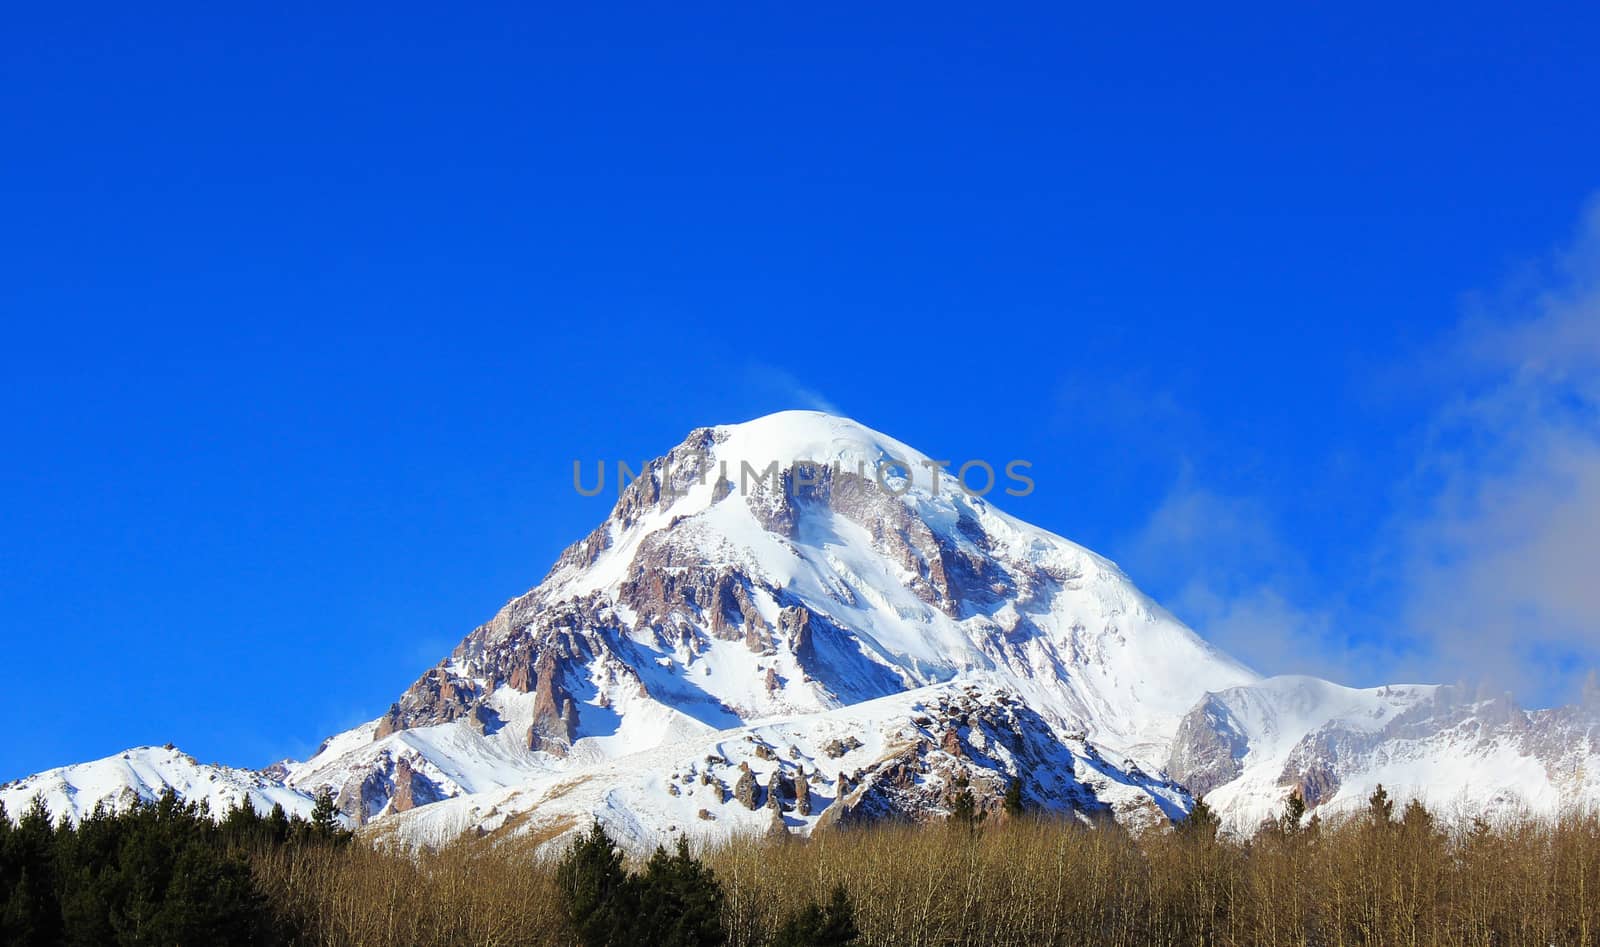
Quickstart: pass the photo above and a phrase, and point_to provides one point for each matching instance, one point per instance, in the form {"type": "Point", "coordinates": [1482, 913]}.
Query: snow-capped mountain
{"type": "Point", "coordinates": [771, 631]}
{"type": "Point", "coordinates": [1246, 747]}
{"type": "Point", "coordinates": [143, 774]}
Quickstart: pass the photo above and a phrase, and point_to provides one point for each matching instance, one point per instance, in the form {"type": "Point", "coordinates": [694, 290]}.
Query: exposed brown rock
{"type": "Point", "coordinates": [362, 795]}
{"type": "Point", "coordinates": [794, 622]}
{"type": "Point", "coordinates": [522, 678]}
{"type": "Point", "coordinates": [404, 797]}
{"type": "Point", "coordinates": [436, 697]}
{"type": "Point", "coordinates": [745, 789]}
{"type": "Point", "coordinates": [388, 723]}
{"type": "Point", "coordinates": [1208, 749]}
{"type": "Point", "coordinates": [1317, 785]}
{"type": "Point", "coordinates": [776, 827]}
{"type": "Point", "coordinates": [837, 748]}
{"type": "Point", "coordinates": [778, 790]}
{"type": "Point", "coordinates": [555, 715]}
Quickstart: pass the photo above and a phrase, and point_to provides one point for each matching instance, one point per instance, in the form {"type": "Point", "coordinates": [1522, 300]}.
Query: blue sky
{"type": "Point", "coordinates": [307, 312]}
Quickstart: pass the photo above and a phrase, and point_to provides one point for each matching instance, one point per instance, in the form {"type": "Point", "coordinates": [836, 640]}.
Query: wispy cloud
{"type": "Point", "coordinates": [1492, 556]}
{"type": "Point", "coordinates": [1501, 538]}
{"type": "Point", "coordinates": [1236, 580]}
{"type": "Point", "coordinates": [773, 381]}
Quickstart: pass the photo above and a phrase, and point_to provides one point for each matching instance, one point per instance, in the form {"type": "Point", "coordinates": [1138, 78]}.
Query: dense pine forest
{"type": "Point", "coordinates": [170, 873]}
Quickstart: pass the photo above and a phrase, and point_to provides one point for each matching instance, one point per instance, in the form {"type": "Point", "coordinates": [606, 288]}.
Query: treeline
{"type": "Point", "coordinates": [674, 901]}
{"type": "Point", "coordinates": [163, 872]}
{"type": "Point", "coordinates": [1390, 876]}
{"type": "Point", "coordinates": [1384, 877]}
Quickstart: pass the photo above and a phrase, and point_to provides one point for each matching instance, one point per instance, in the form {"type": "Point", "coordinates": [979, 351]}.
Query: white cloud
{"type": "Point", "coordinates": [1501, 544]}
{"type": "Point", "coordinates": [1492, 558]}
{"type": "Point", "coordinates": [1228, 573]}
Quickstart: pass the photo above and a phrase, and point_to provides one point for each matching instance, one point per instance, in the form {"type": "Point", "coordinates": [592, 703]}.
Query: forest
{"type": "Point", "coordinates": [166, 872]}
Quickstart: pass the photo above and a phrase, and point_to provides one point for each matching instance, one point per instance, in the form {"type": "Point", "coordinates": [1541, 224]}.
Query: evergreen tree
{"type": "Point", "coordinates": [600, 896]}
{"type": "Point", "coordinates": [680, 901]}
{"type": "Point", "coordinates": [1294, 810]}
{"type": "Point", "coordinates": [675, 902]}
{"type": "Point", "coordinates": [209, 899]}
{"type": "Point", "coordinates": [815, 925]}
{"type": "Point", "coordinates": [278, 825]}
{"type": "Point", "coordinates": [243, 826]}
{"type": "Point", "coordinates": [325, 825]}
{"type": "Point", "coordinates": [1013, 800]}
{"type": "Point", "coordinates": [964, 811]}
{"type": "Point", "coordinates": [31, 913]}
{"type": "Point", "coordinates": [1416, 820]}
{"type": "Point", "coordinates": [89, 884]}
{"type": "Point", "coordinates": [1380, 808]}
{"type": "Point", "coordinates": [1201, 823]}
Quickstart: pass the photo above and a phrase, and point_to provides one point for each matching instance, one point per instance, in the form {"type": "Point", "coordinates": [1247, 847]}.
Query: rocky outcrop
{"type": "Point", "coordinates": [438, 696]}
{"type": "Point", "coordinates": [1209, 747]}
{"type": "Point", "coordinates": [363, 795]}
{"type": "Point", "coordinates": [776, 827]}
{"type": "Point", "coordinates": [522, 677]}
{"type": "Point", "coordinates": [390, 784]}
{"type": "Point", "coordinates": [837, 748]}
{"type": "Point", "coordinates": [779, 790]}
{"type": "Point", "coordinates": [1316, 784]}
{"type": "Point", "coordinates": [411, 788]}
{"type": "Point", "coordinates": [660, 592]}
{"type": "Point", "coordinates": [745, 789]}
{"type": "Point", "coordinates": [794, 624]}
{"type": "Point", "coordinates": [555, 714]}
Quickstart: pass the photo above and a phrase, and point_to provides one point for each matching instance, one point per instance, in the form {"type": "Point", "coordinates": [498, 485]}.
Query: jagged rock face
{"type": "Point", "coordinates": [437, 697]}
{"type": "Point", "coordinates": [1248, 748]}
{"type": "Point", "coordinates": [555, 716]}
{"type": "Point", "coordinates": [363, 795]}
{"type": "Point", "coordinates": [1208, 750]}
{"type": "Point", "coordinates": [779, 791]}
{"type": "Point", "coordinates": [745, 790]}
{"type": "Point", "coordinates": [388, 784]}
{"type": "Point", "coordinates": [838, 748]}
{"type": "Point", "coordinates": [978, 741]}
{"type": "Point", "coordinates": [405, 790]}
{"type": "Point", "coordinates": [411, 788]}
{"type": "Point", "coordinates": [760, 612]}
{"type": "Point", "coordinates": [278, 771]}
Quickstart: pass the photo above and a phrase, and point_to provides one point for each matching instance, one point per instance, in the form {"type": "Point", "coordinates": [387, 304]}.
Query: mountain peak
{"type": "Point", "coordinates": [789, 436]}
